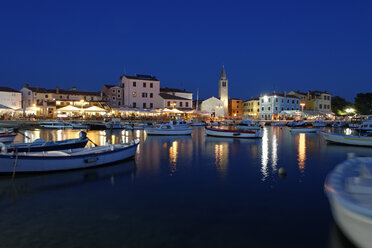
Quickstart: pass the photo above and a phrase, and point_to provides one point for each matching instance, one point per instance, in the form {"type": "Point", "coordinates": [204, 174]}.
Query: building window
{"type": "Point", "coordinates": [282, 108]}
{"type": "Point", "coordinates": [168, 103]}
{"type": "Point", "coordinates": [320, 106]}
{"type": "Point", "coordinates": [29, 93]}
{"type": "Point", "coordinates": [180, 104]}
{"type": "Point", "coordinates": [134, 84]}
{"type": "Point", "coordinates": [134, 105]}
{"type": "Point", "coordinates": [60, 97]}
{"type": "Point", "coordinates": [151, 85]}
{"type": "Point", "coordinates": [113, 98]}
{"type": "Point", "coordinates": [118, 91]}
{"type": "Point", "coordinates": [151, 95]}
{"type": "Point", "coordinates": [297, 101]}
{"type": "Point", "coordinates": [237, 112]}
{"type": "Point", "coordinates": [287, 100]}
{"type": "Point", "coordinates": [151, 105]}
{"type": "Point", "coordinates": [268, 108]}
{"type": "Point", "coordinates": [223, 84]}
{"type": "Point", "coordinates": [187, 104]}
{"type": "Point", "coordinates": [144, 85]}
{"type": "Point", "coordinates": [46, 96]}
{"type": "Point", "coordinates": [276, 108]}
{"type": "Point", "coordinates": [269, 99]}
{"type": "Point", "coordinates": [144, 105]}
{"type": "Point", "coordinates": [262, 100]}
{"type": "Point", "coordinates": [119, 103]}
{"type": "Point", "coordinates": [134, 94]}
{"type": "Point", "coordinates": [276, 99]}
{"type": "Point", "coordinates": [118, 96]}
{"type": "Point", "coordinates": [292, 101]}
{"type": "Point", "coordinates": [113, 91]}
{"type": "Point", "coordinates": [263, 108]}
{"type": "Point", "coordinates": [144, 94]}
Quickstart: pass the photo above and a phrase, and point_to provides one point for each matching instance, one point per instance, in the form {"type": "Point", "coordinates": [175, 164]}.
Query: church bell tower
{"type": "Point", "coordinates": [223, 90]}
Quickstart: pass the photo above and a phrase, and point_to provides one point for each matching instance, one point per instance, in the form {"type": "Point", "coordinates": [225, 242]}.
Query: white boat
{"type": "Point", "coordinates": [279, 123]}
{"type": "Point", "coordinates": [247, 124]}
{"type": "Point", "coordinates": [349, 191]}
{"type": "Point", "coordinates": [199, 124]}
{"type": "Point", "coordinates": [304, 129]}
{"type": "Point", "coordinates": [366, 126]}
{"type": "Point", "coordinates": [297, 123]}
{"type": "Point", "coordinates": [27, 162]}
{"type": "Point", "coordinates": [347, 139]}
{"type": "Point", "coordinates": [177, 122]}
{"type": "Point", "coordinates": [233, 133]}
{"type": "Point", "coordinates": [78, 125]}
{"type": "Point", "coordinates": [115, 125]}
{"type": "Point", "coordinates": [338, 124]}
{"type": "Point", "coordinates": [55, 124]}
{"type": "Point", "coordinates": [7, 135]}
{"type": "Point", "coordinates": [319, 123]}
{"type": "Point", "coordinates": [168, 129]}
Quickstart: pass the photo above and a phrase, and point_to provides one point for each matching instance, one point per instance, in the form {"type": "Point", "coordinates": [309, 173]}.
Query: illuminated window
{"type": "Point", "coordinates": [134, 94]}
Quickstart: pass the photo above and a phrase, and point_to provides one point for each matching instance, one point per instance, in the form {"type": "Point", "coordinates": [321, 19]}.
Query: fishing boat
{"type": "Point", "coordinates": [168, 129]}
{"type": "Point", "coordinates": [347, 139]}
{"type": "Point", "coordinates": [304, 129]}
{"type": "Point", "coordinates": [319, 123]}
{"type": "Point", "coordinates": [55, 124]}
{"type": "Point", "coordinates": [115, 125]}
{"type": "Point", "coordinates": [233, 133]}
{"type": "Point", "coordinates": [80, 158]}
{"type": "Point", "coordinates": [247, 124]}
{"type": "Point", "coordinates": [7, 135]}
{"type": "Point", "coordinates": [177, 122]}
{"type": "Point", "coordinates": [40, 145]}
{"type": "Point", "coordinates": [297, 123]}
{"type": "Point", "coordinates": [349, 191]}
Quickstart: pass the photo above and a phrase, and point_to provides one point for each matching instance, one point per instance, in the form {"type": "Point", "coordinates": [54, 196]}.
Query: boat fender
{"type": "Point", "coordinates": [82, 135]}
{"type": "Point", "coordinates": [282, 173]}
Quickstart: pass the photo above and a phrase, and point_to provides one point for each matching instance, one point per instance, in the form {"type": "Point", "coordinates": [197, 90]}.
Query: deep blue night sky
{"type": "Point", "coordinates": [264, 45]}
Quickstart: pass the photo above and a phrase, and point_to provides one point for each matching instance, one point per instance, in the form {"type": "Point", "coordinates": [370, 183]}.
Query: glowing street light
{"type": "Point", "coordinates": [302, 106]}
{"type": "Point", "coordinates": [349, 110]}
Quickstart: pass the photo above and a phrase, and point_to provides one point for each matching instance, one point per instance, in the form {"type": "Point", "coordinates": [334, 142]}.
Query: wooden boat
{"type": "Point", "coordinates": [28, 162]}
{"type": "Point", "coordinates": [304, 130]}
{"type": "Point", "coordinates": [55, 124]}
{"type": "Point", "coordinates": [233, 133]}
{"type": "Point", "coordinates": [7, 135]}
{"type": "Point", "coordinates": [246, 125]}
{"type": "Point", "coordinates": [168, 129]}
{"type": "Point", "coordinates": [347, 139]}
{"type": "Point", "coordinates": [349, 191]}
{"type": "Point", "coordinates": [40, 145]}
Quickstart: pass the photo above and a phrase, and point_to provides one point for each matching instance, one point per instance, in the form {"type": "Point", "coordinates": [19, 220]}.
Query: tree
{"type": "Point", "coordinates": [363, 103]}
{"type": "Point", "coordinates": [339, 105]}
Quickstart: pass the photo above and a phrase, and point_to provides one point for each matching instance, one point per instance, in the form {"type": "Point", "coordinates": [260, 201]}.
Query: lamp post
{"type": "Point", "coordinates": [302, 106]}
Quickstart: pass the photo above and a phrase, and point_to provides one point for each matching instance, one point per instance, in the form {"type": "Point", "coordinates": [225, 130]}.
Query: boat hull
{"type": "Point", "coordinates": [233, 133]}
{"type": "Point", "coordinates": [30, 147]}
{"type": "Point", "coordinates": [304, 130]}
{"type": "Point", "coordinates": [39, 163]}
{"type": "Point", "coordinates": [347, 139]}
{"type": "Point", "coordinates": [158, 131]}
{"type": "Point", "coordinates": [7, 138]}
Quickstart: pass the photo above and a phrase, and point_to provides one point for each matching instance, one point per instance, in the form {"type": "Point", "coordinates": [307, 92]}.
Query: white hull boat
{"type": "Point", "coordinates": [347, 139]}
{"type": "Point", "coordinates": [78, 125]}
{"type": "Point", "coordinates": [55, 124]}
{"type": "Point", "coordinates": [319, 123]}
{"type": "Point", "coordinates": [167, 129]}
{"type": "Point", "coordinates": [247, 125]}
{"type": "Point", "coordinates": [115, 125]}
{"type": "Point", "coordinates": [349, 190]}
{"type": "Point", "coordinates": [338, 124]}
{"type": "Point", "coordinates": [304, 130]}
{"type": "Point", "coordinates": [298, 123]}
{"type": "Point", "coordinates": [366, 126]}
{"type": "Point", "coordinates": [233, 133]}
{"type": "Point", "coordinates": [279, 124]}
{"type": "Point", "coordinates": [31, 162]}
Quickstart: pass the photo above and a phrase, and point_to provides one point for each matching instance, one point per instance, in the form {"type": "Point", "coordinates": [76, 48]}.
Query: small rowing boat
{"type": "Point", "coordinates": [80, 158]}
{"type": "Point", "coordinates": [349, 191]}
{"type": "Point", "coordinates": [168, 129]}
{"type": "Point", "coordinates": [233, 133]}
{"type": "Point", "coordinates": [7, 135]}
{"type": "Point", "coordinates": [40, 145]}
{"type": "Point", "coordinates": [347, 139]}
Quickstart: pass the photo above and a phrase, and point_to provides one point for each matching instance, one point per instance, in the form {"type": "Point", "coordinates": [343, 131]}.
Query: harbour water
{"type": "Point", "coordinates": [191, 191]}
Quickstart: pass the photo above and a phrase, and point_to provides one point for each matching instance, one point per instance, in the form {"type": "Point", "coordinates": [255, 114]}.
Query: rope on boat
{"type": "Point", "coordinates": [15, 163]}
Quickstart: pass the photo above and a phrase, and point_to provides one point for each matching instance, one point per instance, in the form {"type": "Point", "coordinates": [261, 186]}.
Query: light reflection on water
{"type": "Point", "coordinates": [173, 193]}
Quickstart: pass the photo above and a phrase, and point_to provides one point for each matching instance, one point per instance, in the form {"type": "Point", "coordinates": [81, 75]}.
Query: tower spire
{"type": "Point", "coordinates": [223, 74]}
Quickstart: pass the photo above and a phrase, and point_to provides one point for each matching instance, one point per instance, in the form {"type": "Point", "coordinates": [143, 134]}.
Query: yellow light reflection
{"type": "Point", "coordinates": [173, 155]}
{"type": "Point", "coordinates": [265, 154]}
{"type": "Point", "coordinates": [274, 152]}
{"type": "Point", "coordinates": [221, 153]}
{"type": "Point", "coordinates": [302, 152]}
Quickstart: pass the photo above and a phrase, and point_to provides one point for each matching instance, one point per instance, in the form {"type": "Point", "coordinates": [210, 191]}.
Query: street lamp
{"type": "Point", "coordinates": [302, 106]}
{"type": "Point", "coordinates": [349, 110]}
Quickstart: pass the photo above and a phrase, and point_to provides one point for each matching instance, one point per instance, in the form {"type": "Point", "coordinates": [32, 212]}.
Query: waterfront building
{"type": "Point", "coordinates": [10, 98]}
{"type": "Point", "coordinates": [251, 108]}
{"type": "Point", "coordinates": [300, 95]}
{"type": "Point", "coordinates": [46, 102]}
{"type": "Point", "coordinates": [223, 91]}
{"type": "Point", "coordinates": [213, 105]}
{"type": "Point", "coordinates": [314, 101]}
{"type": "Point", "coordinates": [273, 104]}
{"type": "Point", "coordinates": [235, 107]}
{"type": "Point", "coordinates": [114, 94]}
{"type": "Point", "coordinates": [175, 98]}
{"type": "Point", "coordinates": [140, 91]}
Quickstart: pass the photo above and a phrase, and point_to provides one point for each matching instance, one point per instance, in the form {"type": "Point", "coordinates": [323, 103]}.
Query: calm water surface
{"type": "Point", "coordinates": [194, 191]}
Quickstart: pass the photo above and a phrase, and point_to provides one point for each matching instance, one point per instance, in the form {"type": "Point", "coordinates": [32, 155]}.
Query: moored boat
{"type": "Point", "coordinates": [233, 133]}
{"type": "Point", "coordinates": [168, 129]}
{"type": "Point", "coordinates": [247, 124]}
{"type": "Point", "coordinates": [296, 123]}
{"type": "Point", "coordinates": [349, 191]}
{"type": "Point", "coordinates": [304, 129]}
{"type": "Point", "coordinates": [347, 139]}
{"type": "Point", "coordinates": [115, 125]}
{"type": "Point", "coordinates": [319, 123]}
{"type": "Point", "coordinates": [31, 162]}
{"type": "Point", "coordinates": [366, 126]}
{"type": "Point", "coordinates": [55, 124]}
{"type": "Point", "coordinates": [7, 135]}
{"type": "Point", "coordinates": [43, 145]}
